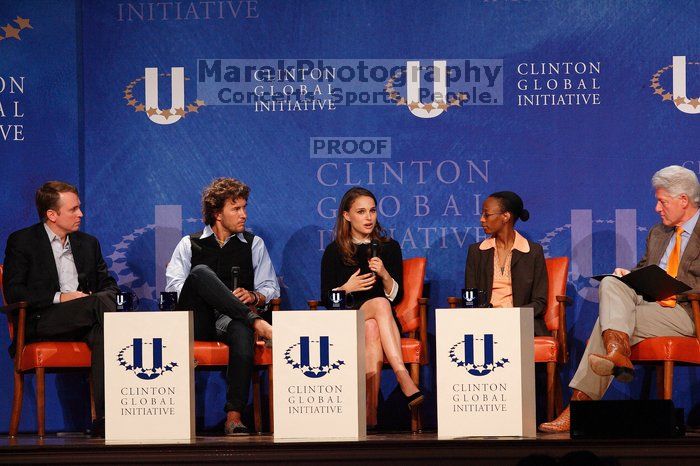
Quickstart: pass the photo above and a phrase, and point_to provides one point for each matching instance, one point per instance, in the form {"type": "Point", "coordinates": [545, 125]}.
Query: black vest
{"type": "Point", "coordinates": [206, 251]}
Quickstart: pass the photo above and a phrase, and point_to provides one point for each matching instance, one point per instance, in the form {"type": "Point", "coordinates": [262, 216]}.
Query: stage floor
{"type": "Point", "coordinates": [384, 448]}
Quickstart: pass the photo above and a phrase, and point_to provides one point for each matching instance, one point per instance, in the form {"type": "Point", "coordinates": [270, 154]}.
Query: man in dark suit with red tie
{"type": "Point", "coordinates": [60, 272]}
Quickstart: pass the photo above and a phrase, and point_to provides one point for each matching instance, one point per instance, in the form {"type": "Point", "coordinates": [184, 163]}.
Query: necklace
{"type": "Point", "coordinates": [505, 262]}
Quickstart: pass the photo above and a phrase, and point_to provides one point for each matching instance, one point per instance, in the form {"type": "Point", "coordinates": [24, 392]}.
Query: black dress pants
{"type": "Point", "coordinates": [81, 319]}
{"type": "Point", "coordinates": [205, 294]}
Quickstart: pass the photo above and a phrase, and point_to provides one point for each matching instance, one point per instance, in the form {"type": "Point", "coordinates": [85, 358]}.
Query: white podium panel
{"type": "Point", "coordinates": [149, 376]}
{"type": "Point", "coordinates": [485, 372]}
{"type": "Point", "coordinates": [319, 365]}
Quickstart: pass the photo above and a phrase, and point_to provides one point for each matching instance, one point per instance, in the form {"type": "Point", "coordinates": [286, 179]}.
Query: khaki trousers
{"type": "Point", "coordinates": [624, 310]}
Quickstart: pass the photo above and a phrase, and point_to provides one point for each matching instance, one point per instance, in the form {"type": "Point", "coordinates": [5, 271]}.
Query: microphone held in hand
{"type": "Point", "coordinates": [374, 247]}
{"type": "Point", "coordinates": [235, 272]}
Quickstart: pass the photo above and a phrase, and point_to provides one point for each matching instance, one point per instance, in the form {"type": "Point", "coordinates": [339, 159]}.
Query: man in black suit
{"type": "Point", "coordinates": [60, 272]}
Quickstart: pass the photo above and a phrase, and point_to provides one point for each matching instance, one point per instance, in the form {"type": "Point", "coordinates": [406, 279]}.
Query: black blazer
{"type": "Point", "coordinates": [528, 274]}
{"type": "Point", "coordinates": [335, 273]}
{"type": "Point", "coordinates": [30, 269]}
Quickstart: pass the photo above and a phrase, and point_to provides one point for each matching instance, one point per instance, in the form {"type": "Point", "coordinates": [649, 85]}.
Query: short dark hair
{"type": "Point", "coordinates": [48, 195]}
{"type": "Point", "coordinates": [217, 193]}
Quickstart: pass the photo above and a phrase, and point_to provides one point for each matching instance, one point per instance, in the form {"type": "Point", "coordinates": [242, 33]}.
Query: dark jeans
{"type": "Point", "coordinates": [204, 294]}
{"type": "Point", "coordinates": [78, 320]}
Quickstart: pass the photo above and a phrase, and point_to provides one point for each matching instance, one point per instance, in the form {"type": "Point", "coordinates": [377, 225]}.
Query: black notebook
{"type": "Point", "coordinates": [651, 282]}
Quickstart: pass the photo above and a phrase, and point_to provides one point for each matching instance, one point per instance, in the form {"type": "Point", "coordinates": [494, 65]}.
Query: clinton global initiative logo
{"type": "Point", "coordinates": [426, 89]}
{"type": "Point", "coordinates": [680, 69]}
{"type": "Point", "coordinates": [462, 354]}
{"type": "Point", "coordinates": [560, 83]}
{"type": "Point", "coordinates": [299, 357]}
{"type": "Point", "coordinates": [11, 32]}
{"type": "Point", "coordinates": [471, 82]}
{"type": "Point", "coordinates": [144, 365]}
{"type": "Point", "coordinates": [149, 90]}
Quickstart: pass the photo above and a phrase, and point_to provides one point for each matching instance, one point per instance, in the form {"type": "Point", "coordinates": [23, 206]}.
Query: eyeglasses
{"type": "Point", "coordinates": [487, 215]}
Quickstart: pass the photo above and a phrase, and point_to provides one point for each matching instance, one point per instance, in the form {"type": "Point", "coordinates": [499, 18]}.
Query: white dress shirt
{"type": "Point", "coordinates": [65, 264]}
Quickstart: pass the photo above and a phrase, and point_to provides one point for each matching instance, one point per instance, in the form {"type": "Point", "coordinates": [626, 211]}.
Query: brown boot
{"type": "Point", "coordinates": [617, 361]}
{"type": "Point", "coordinates": [563, 422]}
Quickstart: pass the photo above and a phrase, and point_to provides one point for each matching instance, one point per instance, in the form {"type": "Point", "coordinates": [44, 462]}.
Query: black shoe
{"type": "Point", "coordinates": [97, 429]}
{"type": "Point", "coordinates": [415, 400]}
{"type": "Point", "coordinates": [235, 428]}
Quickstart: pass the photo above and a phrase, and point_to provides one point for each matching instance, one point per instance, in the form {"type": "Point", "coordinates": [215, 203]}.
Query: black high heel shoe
{"type": "Point", "coordinates": [415, 400]}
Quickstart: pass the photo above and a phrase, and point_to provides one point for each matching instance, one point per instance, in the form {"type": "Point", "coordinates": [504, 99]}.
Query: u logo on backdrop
{"type": "Point", "coordinates": [680, 96]}
{"type": "Point", "coordinates": [438, 105]}
{"type": "Point", "coordinates": [11, 32]}
{"type": "Point", "coordinates": [576, 239]}
{"type": "Point", "coordinates": [467, 359]}
{"type": "Point", "coordinates": [299, 356]}
{"type": "Point", "coordinates": [440, 102]}
{"type": "Point", "coordinates": [133, 361]}
{"type": "Point", "coordinates": [151, 107]}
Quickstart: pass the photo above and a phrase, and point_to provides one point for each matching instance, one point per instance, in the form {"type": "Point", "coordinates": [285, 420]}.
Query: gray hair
{"type": "Point", "coordinates": [678, 180]}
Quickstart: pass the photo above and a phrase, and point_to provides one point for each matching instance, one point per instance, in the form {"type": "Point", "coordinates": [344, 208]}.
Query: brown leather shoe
{"type": "Point", "coordinates": [617, 361]}
{"type": "Point", "coordinates": [563, 422]}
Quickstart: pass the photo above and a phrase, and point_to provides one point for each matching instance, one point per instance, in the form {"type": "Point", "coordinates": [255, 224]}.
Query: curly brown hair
{"type": "Point", "coordinates": [217, 193]}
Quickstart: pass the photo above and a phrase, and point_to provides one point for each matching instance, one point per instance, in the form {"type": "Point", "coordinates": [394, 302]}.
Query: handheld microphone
{"type": "Point", "coordinates": [374, 246]}
{"type": "Point", "coordinates": [235, 271]}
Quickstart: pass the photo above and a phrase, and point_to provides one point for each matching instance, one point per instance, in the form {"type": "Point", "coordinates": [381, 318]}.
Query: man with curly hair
{"type": "Point", "coordinates": [200, 271]}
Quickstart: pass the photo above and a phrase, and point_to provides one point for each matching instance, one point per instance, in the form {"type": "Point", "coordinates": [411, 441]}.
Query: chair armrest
{"type": "Point", "coordinates": [17, 322]}
{"type": "Point", "coordinates": [694, 299]}
{"type": "Point", "coordinates": [313, 304]}
{"type": "Point", "coordinates": [565, 299]}
{"type": "Point", "coordinates": [453, 302]}
{"type": "Point", "coordinates": [688, 296]}
{"type": "Point", "coordinates": [13, 307]}
{"type": "Point", "coordinates": [423, 310]}
{"type": "Point", "coordinates": [561, 333]}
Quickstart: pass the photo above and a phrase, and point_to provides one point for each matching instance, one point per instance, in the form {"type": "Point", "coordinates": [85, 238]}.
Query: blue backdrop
{"type": "Point", "coordinates": [570, 104]}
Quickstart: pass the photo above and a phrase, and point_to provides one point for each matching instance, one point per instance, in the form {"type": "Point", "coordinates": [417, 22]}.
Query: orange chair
{"type": "Point", "coordinates": [551, 350]}
{"type": "Point", "coordinates": [215, 354]}
{"type": "Point", "coordinates": [412, 313]}
{"type": "Point", "coordinates": [37, 357]}
{"type": "Point", "coordinates": [666, 352]}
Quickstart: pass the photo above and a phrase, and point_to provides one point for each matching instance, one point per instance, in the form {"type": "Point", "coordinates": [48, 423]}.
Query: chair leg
{"type": "Point", "coordinates": [551, 375]}
{"type": "Point", "coordinates": [668, 379]}
{"type": "Point", "coordinates": [558, 396]}
{"type": "Point", "coordinates": [660, 381]}
{"type": "Point", "coordinates": [256, 401]}
{"type": "Point", "coordinates": [415, 413]}
{"type": "Point", "coordinates": [17, 404]}
{"type": "Point", "coordinates": [91, 385]}
{"type": "Point", "coordinates": [270, 400]}
{"type": "Point", "coordinates": [40, 406]}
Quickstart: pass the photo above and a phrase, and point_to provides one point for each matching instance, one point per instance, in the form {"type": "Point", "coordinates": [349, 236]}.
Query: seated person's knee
{"type": "Point", "coordinates": [371, 330]}
{"type": "Point", "coordinates": [200, 269]}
